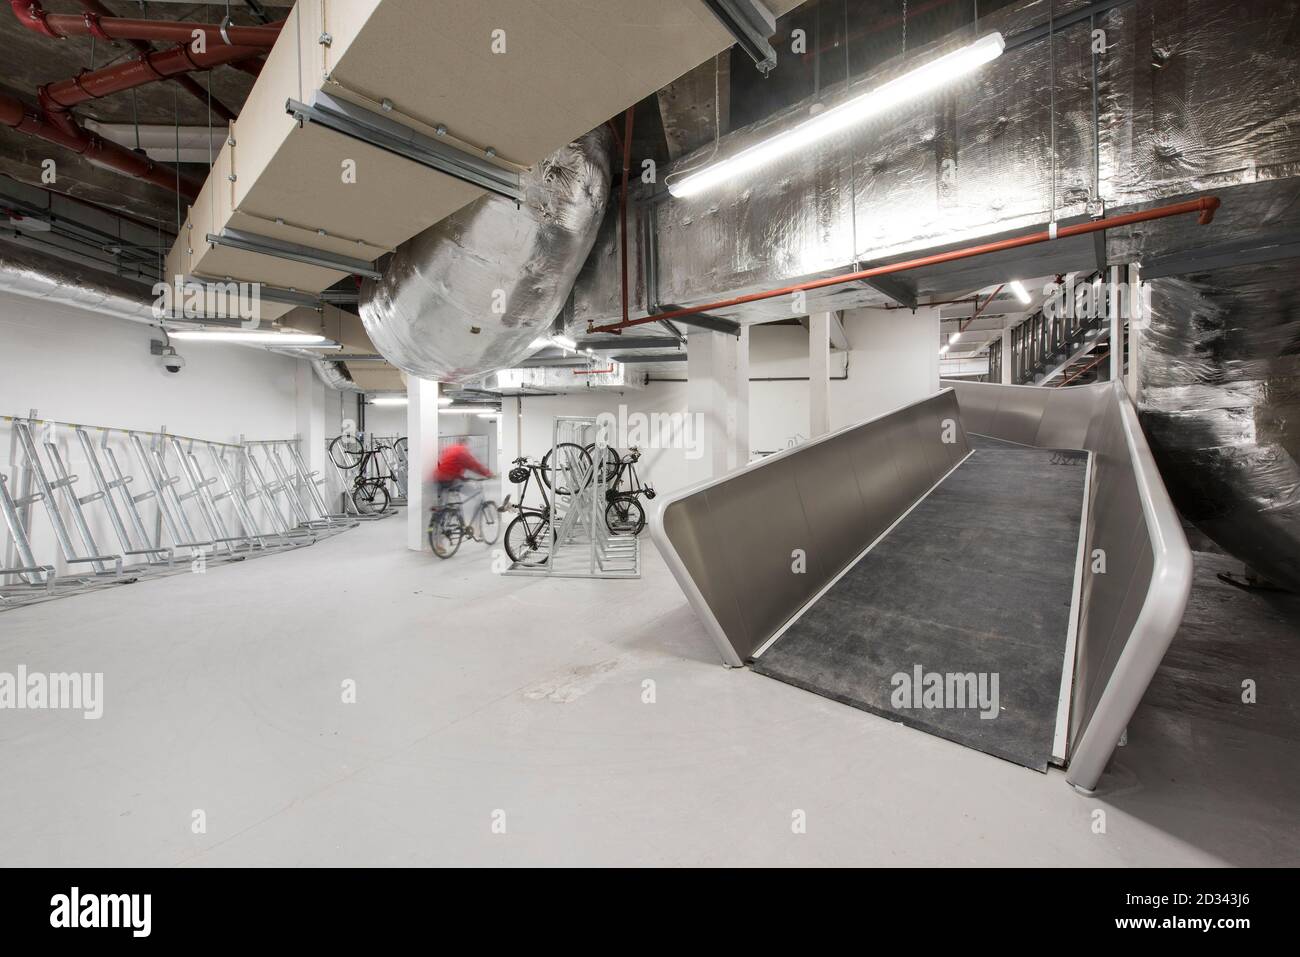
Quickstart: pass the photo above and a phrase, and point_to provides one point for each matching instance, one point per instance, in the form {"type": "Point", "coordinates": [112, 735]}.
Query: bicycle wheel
{"type": "Point", "coordinates": [489, 523]}
{"type": "Point", "coordinates": [574, 470]}
{"type": "Point", "coordinates": [610, 459]}
{"type": "Point", "coordinates": [625, 516]}
{"type": "Point", "coordinates": [346, 451]}
{"type": "Point", "coordinates": [371, 496]}
{"type": "Point", "coordinates": [529, 539]}
{"type": "Point", "coordinates": [445, 531]}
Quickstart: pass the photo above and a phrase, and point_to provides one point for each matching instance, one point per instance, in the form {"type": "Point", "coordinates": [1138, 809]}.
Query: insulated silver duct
{"type": "Point", "coordinates": [68, 286]}
{"type": "Point", "coordinates": [469, 294]}
{"type": "Point", "coordinates": [1220, 368]}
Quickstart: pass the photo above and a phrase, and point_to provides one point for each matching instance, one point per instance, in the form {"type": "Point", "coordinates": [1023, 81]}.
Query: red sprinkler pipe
{"type": "Point", "coordinates": [592, 371]}
{"type": "Point", "coordinates": [93, 84]}
{"type": "Point", "coordinates": [93, 23]}
{"type": "Point", "coordinates": [184, 81]}
{"type": "Point", "coordinates": [94, 148]}
{"type": "Point", "coordinates": [961, 326]}
{"type": "Point", "coordinates": [1205, 206]}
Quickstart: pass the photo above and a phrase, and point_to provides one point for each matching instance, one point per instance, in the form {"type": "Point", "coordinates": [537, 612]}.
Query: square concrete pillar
{"type": "Point", "coordinates": [717, 399]}
{"type": "Point", "coordinates": [819, 373]}
{"type": "Point", "coordinates": [422, 456]}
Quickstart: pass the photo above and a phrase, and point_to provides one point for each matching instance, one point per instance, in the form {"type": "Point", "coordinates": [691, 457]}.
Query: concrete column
{"type": "Point", "coordinates": [714, 396]}
{"type": "Point", "coordinates": [738, 407]}
{"type": "Point", "coordinates": [309, 418]}
{"type": "Point", "coordinates": [819, 373]}
{"type": "Point", "coordinates": [422, 454]}
{"type": "Point", "coordinates": [928, 318]}
{"type": "Point", "coordinates": [1137, 320]}
{"type": "Point", "coordinates": [1116, 325]}
{"type": "Point", "coordinates": [1006, 356]}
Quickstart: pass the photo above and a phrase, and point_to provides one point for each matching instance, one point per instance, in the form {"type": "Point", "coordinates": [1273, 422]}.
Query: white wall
{"type": "Point", "coordinates": [76, 366]}
{"type": "Point", "coordinates": [893, 360]}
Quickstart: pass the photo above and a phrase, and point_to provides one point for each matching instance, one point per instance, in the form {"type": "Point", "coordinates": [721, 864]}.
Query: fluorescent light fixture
{"type": "Point", "coordinates": [1021, 292]}
{"type": "Point", "coordinates": [564, 342]}
{"type": "Point", "coordinates": [444, 400]}
{"type": "Point", "coordinates": [943, 350]}
{"type": "Point", "coordinates": [389, 400]}
{"type": "Point", "coordinates": [462, 409]}
{"type": "Point", "coordinates": [910, 86]}
{"type": "Point", "coordinates": [261, 337]}
{"type": "Point", "coordinates": [954, 337]}
{"type": "Point", "coordinates": [489, 415]}
{"type": "Point", "coordinates": [542, 343]}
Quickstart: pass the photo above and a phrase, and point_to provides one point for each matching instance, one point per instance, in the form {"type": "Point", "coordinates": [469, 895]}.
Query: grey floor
{"type": "Point", "coordinates": [478, 694]}
{"type": "Point", "coordinates": [977, 579]}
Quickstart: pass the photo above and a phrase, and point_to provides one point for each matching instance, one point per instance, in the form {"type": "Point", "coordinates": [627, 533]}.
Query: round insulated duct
{"type": "Point", "coordinates": [468, 295]}
{"type": "Point", "coordinates": [1220, 366]}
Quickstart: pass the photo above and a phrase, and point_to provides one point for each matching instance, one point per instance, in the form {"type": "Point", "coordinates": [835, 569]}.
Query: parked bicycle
{"type": "Point", "coordinates": [624, 514]}
{"type": "Point", "coordinates": [448, 526]}
{"type": "Point", "coordinates": [530, 536]}
{"type": "Point", "coordinates": [370, 487]}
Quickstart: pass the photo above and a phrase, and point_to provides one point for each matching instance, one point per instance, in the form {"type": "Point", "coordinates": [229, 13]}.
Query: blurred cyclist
{"type": "Point", "coordinates": [453, 462]}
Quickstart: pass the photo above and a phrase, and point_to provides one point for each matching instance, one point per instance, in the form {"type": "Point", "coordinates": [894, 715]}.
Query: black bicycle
{"type": "Point", "coordinates": [370, 487]}
{"type": "Point", "coordinates": [624, 514]}
{"type": "Point", "coordinates": [530, 537]}
{"type": "Point", "coordinates": [448, 526]}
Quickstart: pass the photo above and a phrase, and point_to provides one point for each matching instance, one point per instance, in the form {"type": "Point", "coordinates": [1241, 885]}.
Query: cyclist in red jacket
{"type": "Point", "coordinates": [453, 462]}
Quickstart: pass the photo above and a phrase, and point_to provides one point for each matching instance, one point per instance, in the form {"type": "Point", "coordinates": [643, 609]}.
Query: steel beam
{"type": "Point", "coordinates": [294, 252]}
{"type": "Point", "coordinates": [751, 24]}
{"type": "Point", "coordinates": [1257, 249]}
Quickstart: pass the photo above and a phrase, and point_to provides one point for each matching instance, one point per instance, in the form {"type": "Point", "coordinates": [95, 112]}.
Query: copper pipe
{"type": "Point", "coordinates": [1091, 365]}
{"type": "Point", "coordinates": [1205, 206]}
{"type": "Point", "coordinates": [107, 27]}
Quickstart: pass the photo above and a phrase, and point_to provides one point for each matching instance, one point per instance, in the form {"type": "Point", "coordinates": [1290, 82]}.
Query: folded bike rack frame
{"type": "Point", "coordinates": [169, 472]}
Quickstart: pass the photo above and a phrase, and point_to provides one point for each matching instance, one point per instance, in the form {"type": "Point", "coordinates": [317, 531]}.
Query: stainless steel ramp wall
{"type": "Point", "coordinates": [1129, 614]}
{"type": "Point", "coordinates": [732, 542]}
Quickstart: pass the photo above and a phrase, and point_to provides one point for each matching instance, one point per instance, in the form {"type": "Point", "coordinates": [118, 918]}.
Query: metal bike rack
{"type": "Point", "coordinates": [582, 545]}
{"type": "Point", "coordinates": [171, 469]}
{"type": "Point", "coordinates": [346, 477]}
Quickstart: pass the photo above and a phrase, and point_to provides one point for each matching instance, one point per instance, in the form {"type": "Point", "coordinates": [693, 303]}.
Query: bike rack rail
{"type": "Point", "coordinates": [183, 497]}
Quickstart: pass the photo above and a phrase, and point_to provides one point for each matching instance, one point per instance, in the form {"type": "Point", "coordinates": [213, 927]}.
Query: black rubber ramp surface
{"type": "Point", "coordinates": [956, 622]}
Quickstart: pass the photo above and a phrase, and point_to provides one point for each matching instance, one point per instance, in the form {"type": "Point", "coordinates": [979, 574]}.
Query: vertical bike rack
{"type": "Point", "coordinates": [118, 483]}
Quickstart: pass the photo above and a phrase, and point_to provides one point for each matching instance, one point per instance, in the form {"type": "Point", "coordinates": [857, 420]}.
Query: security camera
{"type": "Point", "coordinates": [167, 355]}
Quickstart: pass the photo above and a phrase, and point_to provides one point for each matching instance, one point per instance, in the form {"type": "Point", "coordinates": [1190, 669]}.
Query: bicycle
{"type": "Point", "coordinates": [447, 526]}
{"type": "Point", "coordinates": [624, 514]}
{"type": "Point", "coordinates": [370, 487]}
{"type": "Point", "coordinates": [530, 536]}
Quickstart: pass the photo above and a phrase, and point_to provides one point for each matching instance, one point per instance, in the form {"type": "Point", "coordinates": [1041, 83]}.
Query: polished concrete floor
{"type": "Point", "coordinates": [487, 703]}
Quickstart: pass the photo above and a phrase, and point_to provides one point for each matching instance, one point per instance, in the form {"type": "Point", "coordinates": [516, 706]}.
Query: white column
{"type": "Point", "coordinates": [422, 454]}
{"type": "Point", "coordinates": [928, 318]}
{"type": "Point", "coordinates": [738, 419]}
{"type": "Point", "coordinates": [713, 398]}
{"type": "Point", "coordinates": [309, 418]}
{"type": "Point", "coordinates": [1116, 326]}
{"type": "Point", "coordinates": [819, 374]}
{"type": "Point", "coordinates": [1137, 320]}
{"type": "Point", "coordinates": [1006, 356]}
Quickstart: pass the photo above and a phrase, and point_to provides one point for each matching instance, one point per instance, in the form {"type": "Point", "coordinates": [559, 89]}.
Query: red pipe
{"type": "Point", "coordinates": [622, 201]}
{"type": "Point", "coordinates": [592, 371]}
{"type": "Point", "coordinates": [94, 148]}
{"type": "Point", "coordinates": [1205, 206]}
{"type": "Point", "coordinates": [961, 327]}
{"type": "Point", "coordinates": [93, 84]}
{"type": "Point", "coordinates": [184, 81]}
{"type": "Point", "coordinates": [1091, 365]}
{"type": "Point", "coordinates": [93, 23]}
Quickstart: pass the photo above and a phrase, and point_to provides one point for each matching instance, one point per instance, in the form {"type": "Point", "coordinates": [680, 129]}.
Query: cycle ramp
{"type": "Point", "coordinates": [936, 566]}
